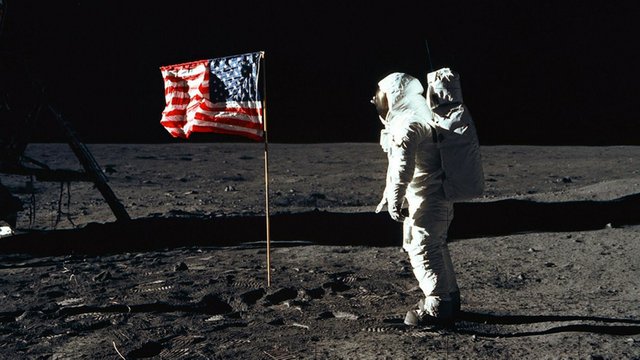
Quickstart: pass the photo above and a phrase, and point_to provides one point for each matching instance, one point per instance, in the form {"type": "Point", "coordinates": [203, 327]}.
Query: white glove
{"type": "Point", "coordinates": [396, 213]}
{"type": "Point", "coordinates": [380, 206]}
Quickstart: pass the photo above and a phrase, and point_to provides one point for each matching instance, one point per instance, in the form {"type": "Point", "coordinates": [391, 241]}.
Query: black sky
{"type": "Point", "coordinates": [533, 72]}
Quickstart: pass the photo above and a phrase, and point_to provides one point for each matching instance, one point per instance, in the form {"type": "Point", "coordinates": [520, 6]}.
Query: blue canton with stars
{"type": "Point", "coordinates": [235, 78]}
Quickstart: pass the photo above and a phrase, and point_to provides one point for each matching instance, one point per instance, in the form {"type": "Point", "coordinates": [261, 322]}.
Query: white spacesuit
{"type": "Point", "coordinates": [415, 173]}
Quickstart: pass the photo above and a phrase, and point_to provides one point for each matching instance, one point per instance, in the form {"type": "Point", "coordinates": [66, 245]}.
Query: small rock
{"type": "Point", "coordinates": [23, 316]}
{"type": "Point", "coordinates": [70, 302]}
{"type": "Point", "coordinates": [181, 267]}
{"type": "Point", "coordinates": [325, 315]}
{"type": "Point", "coordinates": [211, 304]}
{"type": "Point", "coordinates": [215, 318]}
{"type": "Point", "coordinates": [50, 307]}
{"type": "Point", "coordinates": [281, 295]}
{"type": "Point", "coordinates": [252, 296]}
{"type": "Point", "coordinates": [345, 315]}
{"type": "Point", "coordinates": [608, 226]}
{"type": "Point", "coordinates": [315, 293]}
{"type": "Point", "coordinates": [230, 188]}
{"type": "Point", "coordinates": [567, 180]}
{"type": "Point", "coordinates": [549, 264]}
{"type": "Point", "coordinates": [105, 275]}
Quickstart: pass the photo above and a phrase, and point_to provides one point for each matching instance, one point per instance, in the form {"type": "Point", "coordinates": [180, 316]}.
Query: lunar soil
{"type": "Point", "coordinates": [542, 292]}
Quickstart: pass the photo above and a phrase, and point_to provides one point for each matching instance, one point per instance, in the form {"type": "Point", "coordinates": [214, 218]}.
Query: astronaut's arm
{"type": "Point", "coordinates": [400, 170]}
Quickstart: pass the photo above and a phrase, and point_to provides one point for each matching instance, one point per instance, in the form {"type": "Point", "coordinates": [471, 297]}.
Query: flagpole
{"type": "Point", "coordinates": [266, 166]}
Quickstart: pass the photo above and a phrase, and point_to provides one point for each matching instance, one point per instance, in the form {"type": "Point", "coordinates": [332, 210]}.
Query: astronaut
{"type": "Point", "coordinates": [415, 174]}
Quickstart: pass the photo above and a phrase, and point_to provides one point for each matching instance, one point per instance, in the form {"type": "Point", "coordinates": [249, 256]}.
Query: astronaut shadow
{"type": "Point", "coordinates": [491, 325]}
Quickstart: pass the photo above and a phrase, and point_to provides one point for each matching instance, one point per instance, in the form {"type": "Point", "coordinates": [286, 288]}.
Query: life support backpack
{"type": "Point", "coordinates": [456, 136]}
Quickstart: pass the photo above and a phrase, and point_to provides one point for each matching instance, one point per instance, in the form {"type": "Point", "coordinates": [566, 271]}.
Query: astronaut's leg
{"type": "Point", "coordinates": [426, 253]}
{"type": "Point", "coordinates": [454, 291]}
{"type": "Point", "coordinates": [425, 236]}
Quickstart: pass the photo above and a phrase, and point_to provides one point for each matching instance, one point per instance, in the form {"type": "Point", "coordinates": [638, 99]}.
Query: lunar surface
{"type": "Point", "coordinates": [547, 260]}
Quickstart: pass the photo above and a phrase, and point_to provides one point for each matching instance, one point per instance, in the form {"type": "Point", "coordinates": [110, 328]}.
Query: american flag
{"type": "Point", "coordinates": [219, 95]}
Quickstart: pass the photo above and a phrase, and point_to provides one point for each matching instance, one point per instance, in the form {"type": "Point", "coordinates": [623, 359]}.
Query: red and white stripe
{"type": "Point", "coordinates": [189, 108]}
